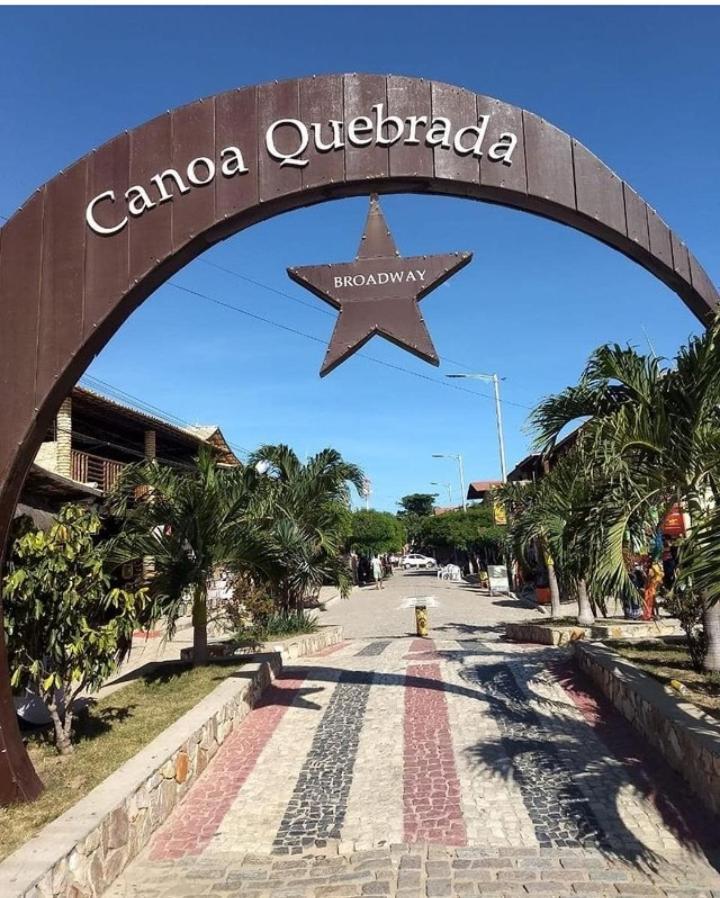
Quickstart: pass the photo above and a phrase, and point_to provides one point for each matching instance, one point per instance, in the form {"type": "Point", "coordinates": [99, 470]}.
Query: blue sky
{"type": "Point", "coordinates": [638, 86]}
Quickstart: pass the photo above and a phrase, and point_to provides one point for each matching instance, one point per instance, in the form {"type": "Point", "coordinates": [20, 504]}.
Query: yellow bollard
{"type": "Point", "coordinates": [421, 620]}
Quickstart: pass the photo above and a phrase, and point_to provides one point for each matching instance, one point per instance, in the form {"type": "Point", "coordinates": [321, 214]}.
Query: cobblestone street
{"type": "Point", "coordinates": [454, 765]}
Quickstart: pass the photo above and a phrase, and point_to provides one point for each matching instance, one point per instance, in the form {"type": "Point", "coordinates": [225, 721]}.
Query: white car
{"type": "Point", "coordinates": [418, 561]}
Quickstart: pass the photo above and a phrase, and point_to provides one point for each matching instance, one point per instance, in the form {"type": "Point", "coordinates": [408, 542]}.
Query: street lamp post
{"type": "Point", "coordinates": [495, 380]}
{"type": "Point", "coordinates": [459, 460]}
{"type": "Point", "coordinates": [448, 487]}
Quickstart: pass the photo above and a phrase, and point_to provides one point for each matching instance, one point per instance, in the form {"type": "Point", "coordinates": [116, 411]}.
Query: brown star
{"type": "Point", "coordinates": [378, 293]}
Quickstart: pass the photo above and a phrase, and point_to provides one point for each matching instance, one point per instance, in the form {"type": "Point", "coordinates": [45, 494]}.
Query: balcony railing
{"type": "Point", "coordinates": [93, 469]}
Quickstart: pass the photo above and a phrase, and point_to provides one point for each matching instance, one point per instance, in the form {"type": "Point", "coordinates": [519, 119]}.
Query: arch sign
{"type": "Point", "coordinates": [90, 245]}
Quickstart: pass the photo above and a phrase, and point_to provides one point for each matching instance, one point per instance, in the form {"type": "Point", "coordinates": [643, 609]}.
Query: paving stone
{"type": "Point", "coordinates": [330, 789]}
{"type": "Point", "coordinates": [438, 888]}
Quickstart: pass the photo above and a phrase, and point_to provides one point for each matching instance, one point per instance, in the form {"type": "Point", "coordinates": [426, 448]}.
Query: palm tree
{"type": "Point", "coordinates": [302, 512]}
{"type": "Point", "coordinates": [190, 523]}
{"type": "Point", "coordinates": [542, 515]}
{"type": "Point", "coordinates": [652, 439]}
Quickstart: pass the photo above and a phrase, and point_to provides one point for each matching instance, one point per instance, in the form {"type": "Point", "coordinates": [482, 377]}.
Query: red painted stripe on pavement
{"type": "Point", "coordinates": [644, 766]}
{"type": "Point", "coordinates": [431, 788]}
{"type": "Point", "coordinates": [197, 818]}
{"type": "Point", "coordinates": [422, 650]}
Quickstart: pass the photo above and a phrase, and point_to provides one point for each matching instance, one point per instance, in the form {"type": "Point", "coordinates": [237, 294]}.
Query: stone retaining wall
{"type": "Point", "coordinates": [561, 634]}
{"type": "Point", "coordinates": [81, 852]}
{"type": "Point", "coordinates": [688, 738]}
{"type": "Point", "coordinates": [545, 634]}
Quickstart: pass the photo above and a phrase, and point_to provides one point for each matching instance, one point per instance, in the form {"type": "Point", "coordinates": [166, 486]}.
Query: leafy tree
{"type": "Point", "coordinates": [302, 514]}
{"type": "Point", "coordinates": [67, 625]}
{"type": "Point", "coordinates": [420, 504]}
{"type": "Point", "coordinates": [541, 517]}
{"type": "Point", "coordinates": [374, 532]}
{"type": "Point", "coordinates": [471, 531]}
{"type": "Point", "coordinates": [190, 523]}
{"type": "Point", "coordinates": [277, 524]}
{"type": "Point", "coordinates": [652, 441]}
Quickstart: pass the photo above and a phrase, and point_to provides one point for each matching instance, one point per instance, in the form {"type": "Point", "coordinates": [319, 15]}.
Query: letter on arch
{"type": "Point", "coordinates": [232, 162]}
{"type": "Point", "coordinates": [138, 200]}
{"type": "Point", "coordinates": [502, 150]}
{"type": "Point", "coordinates": [93, 223]}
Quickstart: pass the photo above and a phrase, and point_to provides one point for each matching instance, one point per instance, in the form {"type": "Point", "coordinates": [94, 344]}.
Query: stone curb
{"type": "Point", "coordinates": [688, 738]}
{"type": "Point", "coordinates": [81, 852]}
{"type": "Point", "coordinates": [562, 634]}
{"type": "Point", "coordinates": [544, 634]}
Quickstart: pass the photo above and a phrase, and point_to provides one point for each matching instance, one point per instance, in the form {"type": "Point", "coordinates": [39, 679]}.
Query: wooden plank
{"type": "Point", "coordinates": [598, 191]}
{"type": "Point", "coordinates": [193, 137]}
{"type": "Point", "coordinates": [504, 119]}
{"type": "Point", "coordinates": [151, 232]}
{"type": "Point", "coordinates": [321, 101]}
{"type": "Point", "coordinates": [361, 93]}
{"type": "Point", "coordinates": [410, 97]}
{"type": "Point", "coordinates": [20, 267]}
{"type": "Point", "coordinates": [703, 285]}
{"type": "Point", "coordinates": [60, 325]}
{"type": "Point", "coordinates": [236, 125]}
{"type": "Point", "coordinates": [549, 161]}
{"type": "Point", "coordinates": [681, 260]}
{"type": "Point", "coordinates": [106, 257]}
{"type": "Point", "coordinates": [276, 102]}
{"type": "Point", "coordinates": [460, 108]}
{"type": "Point", "coordinates": [659, 233]}
{"type": "Point", "coordinates": [636, 217]}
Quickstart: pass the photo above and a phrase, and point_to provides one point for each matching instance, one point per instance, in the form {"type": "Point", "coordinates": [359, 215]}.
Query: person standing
{"type": "Point", "coordinates": [377, 572]}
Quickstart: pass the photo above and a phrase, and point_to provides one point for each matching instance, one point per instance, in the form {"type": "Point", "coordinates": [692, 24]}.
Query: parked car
{"type": "Point", "coordinates": [418, 561]}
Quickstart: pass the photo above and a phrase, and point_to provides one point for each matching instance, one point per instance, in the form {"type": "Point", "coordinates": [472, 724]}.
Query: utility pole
{"type": "Point", "coordinates": [495, 380]}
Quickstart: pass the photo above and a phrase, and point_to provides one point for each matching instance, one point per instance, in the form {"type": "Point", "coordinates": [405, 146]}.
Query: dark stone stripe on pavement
{"type": "Point", "coordinates": [373, 649]}
{"type": "Point", "coordinates": [561, 814]}
{"type": "Point", "coordinates": [316, 811]}
{"type": "Point", "coordinates": [197, 818]}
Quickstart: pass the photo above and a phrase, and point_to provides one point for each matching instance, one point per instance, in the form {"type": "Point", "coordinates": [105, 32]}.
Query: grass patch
{"type": "Point", "coordinates": [670, 661]}
{"type": "Point", "coordinates": [111, 731]}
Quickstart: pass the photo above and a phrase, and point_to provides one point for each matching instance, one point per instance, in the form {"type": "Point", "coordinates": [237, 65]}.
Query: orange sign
{"type": "Point", "coordinates": [673, 523]}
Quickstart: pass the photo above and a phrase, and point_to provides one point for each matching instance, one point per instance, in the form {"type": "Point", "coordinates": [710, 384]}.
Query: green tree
{"type": "Point", "coordinates": [302, 513]}
{"type": "Point", "coordinates": [67, 625]}
{"type": "Point", "coordinates": [376, 532]}
{"type": "Point", "coordinates": [542, 516]}
{"type": "Point", "coordinates": [275, 523]}
{"type": "Point", "coordinates": [420, 504]}
{"type": "Point", "coordinates": [652, 440]}
{"type": "Point", "coordinates": [190, 523]}
{"type": "Point", "coordinates": [472, 532]}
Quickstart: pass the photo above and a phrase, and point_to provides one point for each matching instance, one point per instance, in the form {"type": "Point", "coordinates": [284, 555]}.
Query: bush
{"type": "Point", "coordinates": [67, 625]}
{"type": "Point", "coordinates": [280, 623]}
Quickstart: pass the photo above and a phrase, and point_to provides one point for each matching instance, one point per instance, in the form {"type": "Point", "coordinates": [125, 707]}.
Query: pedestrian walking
{"type": "Point", "coordinates": [377, 572]}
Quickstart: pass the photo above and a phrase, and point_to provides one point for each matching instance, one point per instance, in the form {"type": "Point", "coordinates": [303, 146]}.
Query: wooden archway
{"type": "Point", "coordinates": [90, 245]}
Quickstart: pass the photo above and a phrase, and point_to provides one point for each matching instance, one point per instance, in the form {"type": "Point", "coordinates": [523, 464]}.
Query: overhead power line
{"type": "Point", "coordinates": [299, 333]}
{"type": "Point", "coordinates": [314, 306]}
{"type": "Point", "coordinates": [153, 410]}
{"type": "Point", "coordinates": [322, 341]}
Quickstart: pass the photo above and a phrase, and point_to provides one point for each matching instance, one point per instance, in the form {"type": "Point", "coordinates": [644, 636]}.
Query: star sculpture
{"type": "Point", "coordinates": [378, 293]}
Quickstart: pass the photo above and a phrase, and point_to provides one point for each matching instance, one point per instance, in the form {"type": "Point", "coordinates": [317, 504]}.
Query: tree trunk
{"type": "Point", "coordinates": [554, 589]}
{"type": "Point", "coordinates": [199, 622]}
{"type": "Point", "coordinates": [586, 618]}
{"type": "Point", "coordinates": [62, 732]}
{"type": "Point", "coordinates": [711, 624]}
{"type": "Point", "coordinates": [18, 779]}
